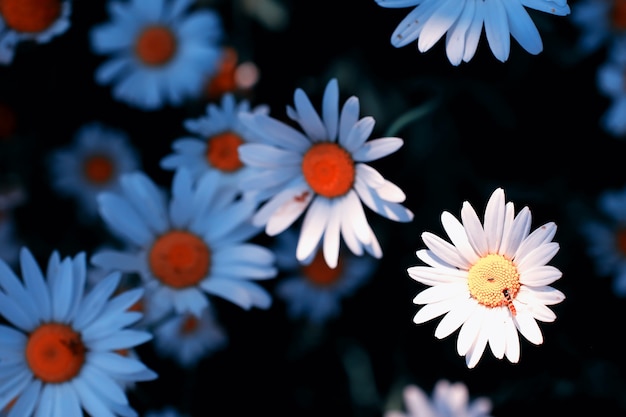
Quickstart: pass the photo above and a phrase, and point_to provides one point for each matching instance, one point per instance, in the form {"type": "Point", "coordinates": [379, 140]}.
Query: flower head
{"type": "Point", "coordinates": [448, 400]}
{"type": "Point", "coordinates": [322, 171]}
{"type": "Point", "coordinates": [599, 22]}
{"type": "Point", "coordinates": [189, 245]}
{"type": "Point", "coordinates": [492, 281]}
{"type": "Point", "coordinates": [215, 142]}
{"type": "Point", "coordinates": [161, 52]}
{"type": "Point", "coordinates": [93, 163]}
{"type": "Point", "coordinates": [463, 22]}
{"type": "Point", "coordinates": [58, 348]}
{"type": "Point", "coordinates": [31, 20]}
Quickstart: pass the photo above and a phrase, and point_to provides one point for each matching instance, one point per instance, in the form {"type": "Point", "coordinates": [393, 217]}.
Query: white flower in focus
{"type": "Point", "coordinates": [463, 20]}
{"type": "Point", "coordinates": [160, 51]}
{"type": "Point", "coordinates": [322, 171]}
{"type": "Point", "coordinates": [491, 281]}
{"type": "Point", "coordinates": [31, 20]}
{"type": "Point", "coordinates": [448, 400]}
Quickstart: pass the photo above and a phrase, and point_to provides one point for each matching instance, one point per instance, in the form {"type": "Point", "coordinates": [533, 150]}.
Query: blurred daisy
{"type": "Point", "coordinates": [57, 351]}
{"type": "Point", "coordinates": [168, 411]}
{"type": "Point", "coordinates": [598, 22]}
{"type": "Point", "coordinates": [322, 171]}
{"type": "Point", "coordinates": [314, 291]}
{"type": "Point", "coordinates": [93, 163]}
{"type": "Point", "coordinates": [187, 339]}
{"type": "Point", "coordinates": [216, 138]}
{"type": "Point", "coordinates": [462, 21]}
{"type": "Point", "coordinates": [160, 51]}
{"type": "Point", "coordinates": [31, 20]}
{"type": "Point", "coordinates": [606, 238]}
{"type": "Point", "coordinates": [190, 246]}
{"type": "Point", "coordinates": [448, 400]}
{"type": "Point", "coordinates": [610, 80]}
{"type": "Point", "coordinates": [492, 281]}
{"type": "Point", "coordinates": [231, 76]}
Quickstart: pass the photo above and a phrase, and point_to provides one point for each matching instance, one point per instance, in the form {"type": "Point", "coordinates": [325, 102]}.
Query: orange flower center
{"type": "Point", "coordinates": [224, 80]}
{"type": "Point", "coordinates": [8, 121]}
{"type": "Point", "coordinates": [156, 45]}
{"type": "Point", "coordinates": [189, 325]}
{"type": "Point", "coordinates": [55, 353]}
{"type": "Point", "coordinates": [98, 168]}
{"type": "Point", "coordinates": [618, 14]}
{"type": "Point", "coordinates": [179, 259]}
{"type": "Point", "coordinates": [328, 169]}
{"type": "Point", "coordinates": [319, 273]}
{"type": "Point", "coordinates": [620, 240]}
{"type": "Point", "coordinates": [31, 16]}
{"type": "Point", "coordinates": [222, 151]}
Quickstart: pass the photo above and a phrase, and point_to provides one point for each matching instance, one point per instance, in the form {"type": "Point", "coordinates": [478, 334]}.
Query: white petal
{"type": "Point", "coordinates": [528, 327]}
{"type": "Point", "coordinates": [313, 227]}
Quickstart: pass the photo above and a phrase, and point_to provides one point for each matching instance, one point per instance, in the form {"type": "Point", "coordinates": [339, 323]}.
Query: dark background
{"type": "Point", "coordinates": [529, 125]}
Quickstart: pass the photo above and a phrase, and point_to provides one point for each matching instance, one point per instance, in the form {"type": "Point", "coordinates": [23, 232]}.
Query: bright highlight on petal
{"type": "Point", "coordinates": [491, 282]}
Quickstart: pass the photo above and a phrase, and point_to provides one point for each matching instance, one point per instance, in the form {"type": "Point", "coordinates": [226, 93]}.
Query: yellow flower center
{"type": "Point", "coordinates": [179, 259]}
{"type": "Point", "coordinates": [618, 14]}
{"type": "Point", "coordinates": [328, 169]}
{"type": "Point", "coordinates": [222, 152]}
{"type": "Point", "coordinates": [493, 280]}
{"type": "Point", "coordinates": [319, 273]}
{"type": "Point", "coordinates": [55, 353]}
{"type": "Point", "coordinates": [98, 169]}
{"type": "Point", "coordinates": [30, 16]}
{"type": "Point", "coordinates": [156, 45]}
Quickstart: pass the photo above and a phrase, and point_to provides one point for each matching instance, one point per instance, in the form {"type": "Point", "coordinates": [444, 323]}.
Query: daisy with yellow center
{"type": "Point", "coordinates": [311, 290]}
{"type": "Point", "coordinates": [215, 141]}
{"type": "Point", "coordinates": [58, 348]}
{"type": "Point", "coordinates": [194, 245]}
{"type": "Point", "coordinates": [30, 20]}
{"type": "Point", "coordinates": [160, 51]}
{"type": "Point", "coordinates": [322, 171]}
{"type": "Point", "coordinates": [92, 163]}
{"type": "Point", "coordinates": [492, 281]}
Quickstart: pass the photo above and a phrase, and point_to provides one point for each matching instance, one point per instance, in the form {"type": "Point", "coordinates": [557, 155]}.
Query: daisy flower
{"type": "Point", "coordinates": [92, 163]}
{"type": "Point", "coordinates": [217, 135]}
{"type": "Point", "coordinates": [312, 290]}
{"type": "Point", "coordinates": [462, 21]}
{"type": "Point", "coordinates": [610, 79]}
{"type": "Point", "coordinates": [322, 171]}
{"type": "Point", "coordinates": [598, 22]}
{"type": "Point", "coordinates": [448, 400]}
{"type": "Point", "coordinates": [31, 20]}
{"type": "Point", "coordinates": [58, 348]}
{"type": "Point", "coordinates": [606, 239]}
{"type": "Point", "coordinates": [161, 52]}
{"type": "Point", "coordinates": [191, 246]}
{"type": "Point", "coordinates": [491, 281]}
{"type": "Point", "coordinates": [187, 339]}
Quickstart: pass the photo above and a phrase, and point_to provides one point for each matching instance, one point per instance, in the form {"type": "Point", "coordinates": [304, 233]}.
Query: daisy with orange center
{"type": "Point", "coordinates": [30, 20]}
{"type": "Point", "coordinates": [60, 340]}
{"type": "Point", "coordinates": [215, 140]}
{"type": "Point", "coordinates": [322, 171]}
{"type": "Point", "coordinates": [492, 281]}
{"type": "Point", "coordinates": [92, 163]}
{"type": "Point", "coordinates": [160, 51]}
{"type": "Point", "coordinates": [605, 235]}
{"type": "Point", "coordinates": [312, 290]}
{"type": "Point", "coordinates": [189, 247]}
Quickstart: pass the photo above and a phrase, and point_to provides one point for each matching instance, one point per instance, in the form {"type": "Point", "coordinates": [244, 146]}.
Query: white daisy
{"type": "Point", "coordinates": [216, 137]}
{"type": "Point", "coordinates": [606, 238]}
{"type": "Point", "coordinates": [31, 20]}
{"type": "Point", "coordinates": [58, 349]}
{"type": "Point", "coordinates": [188, 339]}
{"type": "Point", "coordinates": [312, 290]}
{"type": "Point", "coordinates": [492, 281]}
{"type": "Point", "coordinates": [161, 52]}
{"type": "Point", "coordinates": [448, 400]}
{"type": "Point", "coordinates": [193, 245]}
{"type": "Point", "coordinates": [322, 171]}
{"type": "Point", "coordinates": [462, 21]}
{"type": "Point", "coordinates": [92, 163]}
{"type": "Point", "coordinates": [598, 22]}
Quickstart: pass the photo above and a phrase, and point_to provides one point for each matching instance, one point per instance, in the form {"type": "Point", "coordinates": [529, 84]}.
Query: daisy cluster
{"type": "Point", "coordinates": [187, 224]}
